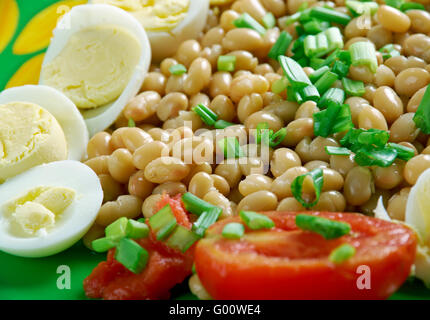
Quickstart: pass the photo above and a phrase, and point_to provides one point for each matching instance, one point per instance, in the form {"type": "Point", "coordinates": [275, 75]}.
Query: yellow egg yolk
{"type": "Point", "coordinates": [39, 209]}
{"type": "Point", "coordinates": [154, 15]}
{"type": "Point", "coordinates": [95, 66]}
{"type": "Point", "coordinates": [29, 136]}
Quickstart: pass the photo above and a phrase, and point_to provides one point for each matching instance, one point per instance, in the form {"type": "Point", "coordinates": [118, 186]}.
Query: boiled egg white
{"type": "Point", "coordinates": [61, 107]}
{"type": "Point", "coordinates": [67, 227]}
{"type": "Point", "coordinates": [418, 217]}
{"type": "Point", "coordinates": [86, 16]}
{"type": "Point", "coordinates": [165, 41]}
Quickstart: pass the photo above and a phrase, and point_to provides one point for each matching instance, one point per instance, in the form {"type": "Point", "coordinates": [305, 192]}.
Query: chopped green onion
{"type": "Point", "coordinates": [233, 230]}
{"type": "Point", "coordinates": [360, 8]}
{"type": "Point", "coordinates": [314, 76]}
{"type": "Point", "coordinates": [422, 115]}
{"type": "Point", "coordinates": [403, 153]}
{"type": "Point", "coordinates": [309, 92]}
{"type": "Point", "coordinates": [256, 221]}
{"type": "Point", "coordinates": [363, 54]}
{"type": "Point", "coordinates": [163, 222]}
{"type": "Point", "coordinates": [355, 139]}
{"type": "Point", "coordinates": [131, 255]}
{"type": "Point", "coordinates": [177, 69]}
{"type": "Point", "coordinates": [131, 123]}
{"type": "Point", "coordinates": [316, 63]}
{"type": "Point", "coordinates": [294, 73]}
{"type": "Point", "coordinates": [231, 147]}
{"type": "Point", "coordinates": [277, 137]}
{"type": "Point", "coordinates": [342, 253]}
{"type": "Point", "coordinates": [340, 68]}
{"type": "Point", "coordinates": [344, 56]}
{"type": "Point", "coordinates": [330, 15]}
{"type": "Point", "coordinates": [332, 95]}
{"type": "Point", "coordinates": [316, 46]}
{"type": "Point", "coordinates": [105, 244]}
{"type": "Point", "coordinates": [394, 3]}
{"type": "Point", "coordinates": [222, 124]}
{"type": "Point", "coordinates": [269, 20]}
{"type": "Point", "coordinates": [207, 115]}
{"type": "Point", "coordinates": [261, 128]}
{"type": "Point", "coordinates": [336, 118]}
{"type": "Point", "coordinates": [281, 45]}
{"type": "Point", "coordinates": [331, 58]}
{"type": "Point", "coordinates": [411, 6]}
{"type": "Point", "coordinates": [195, 205]}
{"type": "Point", "coordinates": [280, 85]}
{"type": "Point", "coordinates": [334, 37]}
{"type": "Point", "coordinates": [325, 82]}
{"type": "Point", "coordinates": [117, 228]}
{"type": "Point", "coordinates": [329, 229]}
{"type": "Point", "coordinates": [337, 151]}
{"type": "Point", "coordinates": [226, 63]}
{"type": "Point", "coordinates": [297, 187]}
{"type": "Point", "coordinates": [353, 87]}
{"type": "Point", "coordinates": [367, 156]}
{"type": "Point", "coordinates": [389, 51]}
{"type": "Point", "coordinates": [313, 27]}
{"type": "Point", "coordinates": [205, 220]}
{"type": "Point", "coordinates": [136, 229]}
{"type": "Point", "coordinates": [182, 239]}
{"type": "Point", "coordinates": [247, 21]}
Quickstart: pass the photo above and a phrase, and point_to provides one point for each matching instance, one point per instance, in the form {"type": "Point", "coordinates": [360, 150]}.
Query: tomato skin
{"type": "Point", "coordinates": [249, 269]}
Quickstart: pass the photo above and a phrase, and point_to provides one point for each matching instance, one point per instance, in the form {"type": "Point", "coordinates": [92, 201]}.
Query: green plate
{"type": "Point", "coordinates": [29, 279]}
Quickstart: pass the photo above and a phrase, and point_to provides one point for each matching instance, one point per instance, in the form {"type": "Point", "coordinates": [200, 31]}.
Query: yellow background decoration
{"type": "Point", "coordinates": [9, 15]}
{"type": "Point", "coordinates": [28, 73]}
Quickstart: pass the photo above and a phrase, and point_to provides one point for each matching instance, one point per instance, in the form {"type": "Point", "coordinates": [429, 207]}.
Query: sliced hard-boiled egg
{"type": "Point", "coordinates": [167, 22]}
{"type": "Point", "coordinates": [418, 217]}
{"type": "Point", "coordinates": [38, 124]}
{"type": "Point", "coordinates": [48, 208]}
{"type": "Point", "coordinates": [98, 57]}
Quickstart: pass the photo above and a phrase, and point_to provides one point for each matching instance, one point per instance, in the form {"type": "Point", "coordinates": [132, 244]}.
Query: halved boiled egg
{"type": "Point", "coordinates": [418, 216]}
{"type": "Point", "coordinates": [98, 57]}
{"type": "Point", "coordinates": [48, 208]}
{"type": "Point", "coordinates": [167, 22]}
{"type": "Point", "coordinates": [38, 124]}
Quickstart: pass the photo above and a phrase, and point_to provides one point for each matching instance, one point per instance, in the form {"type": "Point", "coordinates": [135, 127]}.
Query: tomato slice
{"type": "Point", "coordinates": [288, 263]}
{"type": "Point", "coordinates": [166, 267]}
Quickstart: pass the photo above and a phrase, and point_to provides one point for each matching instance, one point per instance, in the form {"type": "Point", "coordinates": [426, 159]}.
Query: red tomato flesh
{"type": "Point", "coordinates": [166, 267]}
{"type": "Point", "coordinates": [288, 263]}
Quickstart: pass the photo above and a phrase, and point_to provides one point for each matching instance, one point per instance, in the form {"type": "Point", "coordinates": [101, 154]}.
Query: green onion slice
{"type": "Point", "coordinates": [325, 82]}
{"type": "Point", "coordinates": [105, 244]}
{"type": "Point", "coordinates": [163, 222]}
{"type": "Point", "coordinates": [231, 147]}
{"type": "Point", "coordinates": [353, 87]}
{"type": "Point", "coordinates": [233, 230]}
{"type": "Point", "coordinates": [177, 69]}
{"type": "Point", "coordinates": [247, 21]}
{"type": "Point", "coordinates": [182, 239]}
{"type": "Point", "coordinates": [117, 228]}
{"type": "Point", "coordinates": [403, 153]}
{"type": "Point", "coordinates": [336, 118]}
{"type": "Point", "coordinates": [422, 115]}
{"type": "Point", "coordinates": [131, 255]}
{"type": "Point", "coordinates": [222, 124]}
{"type": "Point", "coordinates": [131, 123]}
{"type": "Point", "coordinates": [294, 73]}
{"type": "Point", "coordinates": [256, 221]}
{"type": "Point", "coordinates": [297, 186]}
{"type": "Point", "coordinates": [195, 205]}
{"type": "Point", "coordinates": [337, 151]}
{"type": "Point", "coordinates": [269, 20]}
{"type": "Point", "coordinates": [332, 95]}
{"type": "Point", "coordinates": [205, 220]}
{"type": "Point", "coordinates": [226, 63]}
{"type": "Point", "coordinates": [277, 137]}
{"type": "Point", "coordinates": [136, 229]}
{"type": "Point", "coordinates": [314, 76]}
{"type": "Point", "coordinates": [342, 253]}
{"type": "Point", "coordinates": [281, 45]}
{"type": "Point", "coordinates": [363, 54]}
{"type": "Point", "coordinates": [330, 15]}
{"type": "Point", "coordinates": [329, 229]}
